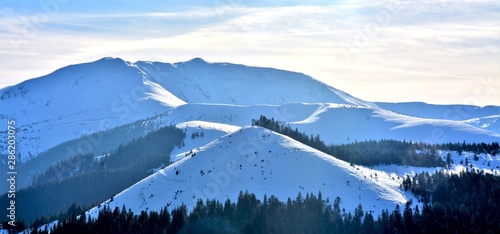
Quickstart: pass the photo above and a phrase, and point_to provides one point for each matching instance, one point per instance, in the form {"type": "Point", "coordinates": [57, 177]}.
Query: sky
{"type": "Point", "coordinates": [434, 51]}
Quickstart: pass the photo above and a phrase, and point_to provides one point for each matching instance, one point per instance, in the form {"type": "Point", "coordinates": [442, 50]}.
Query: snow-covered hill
{"type": "Point", "coordinates": [262, 162]}
{"type": "Point", "coordinates": [490, 123]}
{"type": "Point", "coordinates": [486, 163]}
{"type": "Point", "coordinates": [450, 112]}
{"type": "Point", "coordinates": [344, 124]}
{"type": "Point", "coordinates": [335, 123]}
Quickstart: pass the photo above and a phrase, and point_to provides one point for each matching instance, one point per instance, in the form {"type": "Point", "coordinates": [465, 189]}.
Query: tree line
{"type": "Point", "coordinates": [367, 153]}
{"type": "Point", "coordinates": [463, 203]}
{"type": "Point", "coordinates": [477, 148]}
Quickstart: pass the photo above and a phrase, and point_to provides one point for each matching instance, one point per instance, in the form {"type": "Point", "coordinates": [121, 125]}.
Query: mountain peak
{"type": "Point", "coordinates": [113, 60]}
{"type": "Point", "coordinates": [197, 60]}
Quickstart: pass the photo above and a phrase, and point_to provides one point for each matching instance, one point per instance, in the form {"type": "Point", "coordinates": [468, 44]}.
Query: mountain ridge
{"type": "Point", "coordinates": [85, 98]}
{"type": "Point", "coordinates": [94, 108]}
{"type": "Point", "coordinates": [82, 99]}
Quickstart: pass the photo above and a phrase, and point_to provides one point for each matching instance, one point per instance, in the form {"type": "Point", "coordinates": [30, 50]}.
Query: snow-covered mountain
{"type": "Point", "coordinates": [197, 81]}
{"type": "Point", "coordinates": [262, 162]}
{"type": "Point", "coordinates": [78, 100]}
{"type": "Point", "coordinates": [82, 99]}
{"type": "Point", "coordinates": [85, 98]}
{"type": "Point", "coordinates": [95, 107]}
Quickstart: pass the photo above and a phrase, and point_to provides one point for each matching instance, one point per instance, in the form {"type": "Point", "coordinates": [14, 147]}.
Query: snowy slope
{"type": "Point", "coordinates": [336, 123]}
{"type": "Point", "coordinates": [486, 117]}
{"type": "Point", "coordinates": [346, 123]}
{"type": "Point", "coordinates": [262, 162]}
{"type": "Point", "coordinates": [198, 81]}
{"type": "Point", "coordinates": [80, 99]}
{"type": "Point", "coordinates": [459, 162]}
{"type": "Point", "coordinates": [432, 111]}
{"type": "Point", "coordinates": [490, 123]}
{"type": "Point", "coordinates": [198, 134]}
{"type": "Point", "coordinates": [236, 114]}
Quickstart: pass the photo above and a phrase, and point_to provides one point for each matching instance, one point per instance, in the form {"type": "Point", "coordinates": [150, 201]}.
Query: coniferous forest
{"type": "Point", "coordinates": [370, 153]}
{"type": "Point", "coordinates": [90, 180]}
{"type": "Point", "coordinates": [463, 203]}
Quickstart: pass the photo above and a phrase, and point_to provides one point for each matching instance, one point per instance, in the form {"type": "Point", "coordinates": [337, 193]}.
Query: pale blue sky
{"type": "Point", "coordinates": [435, 51]}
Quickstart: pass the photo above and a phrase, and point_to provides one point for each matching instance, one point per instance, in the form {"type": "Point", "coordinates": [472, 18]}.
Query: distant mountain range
{"type": "Point", "coordinates": [94, 108]}
{"type": "Point", "coordinates": [82, 99]}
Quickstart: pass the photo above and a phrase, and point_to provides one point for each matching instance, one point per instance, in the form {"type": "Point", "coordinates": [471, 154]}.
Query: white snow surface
{"type": "Point", "coordinates": [208, 131]}
{"type": "Point", "coordinates": [490, 123]}
{"type": "Point", "coordinates": [197, 81]}
{"type": "Point", "coordinates": [347, 123]}
{"type": "Point", "coordinates": [262, 162]}
{"type": "Point", "coordinates": [460, 162]}
{"type": "Point", "coordinates": [432, 111]}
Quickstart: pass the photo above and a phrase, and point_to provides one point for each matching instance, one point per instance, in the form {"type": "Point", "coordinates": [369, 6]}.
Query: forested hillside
{"type": "Point", "coordinates": [92, 180]}
{"type": "Point", "coordinates": [377, 152]}
{"type": "Point", "coordinates": [449, 211]}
